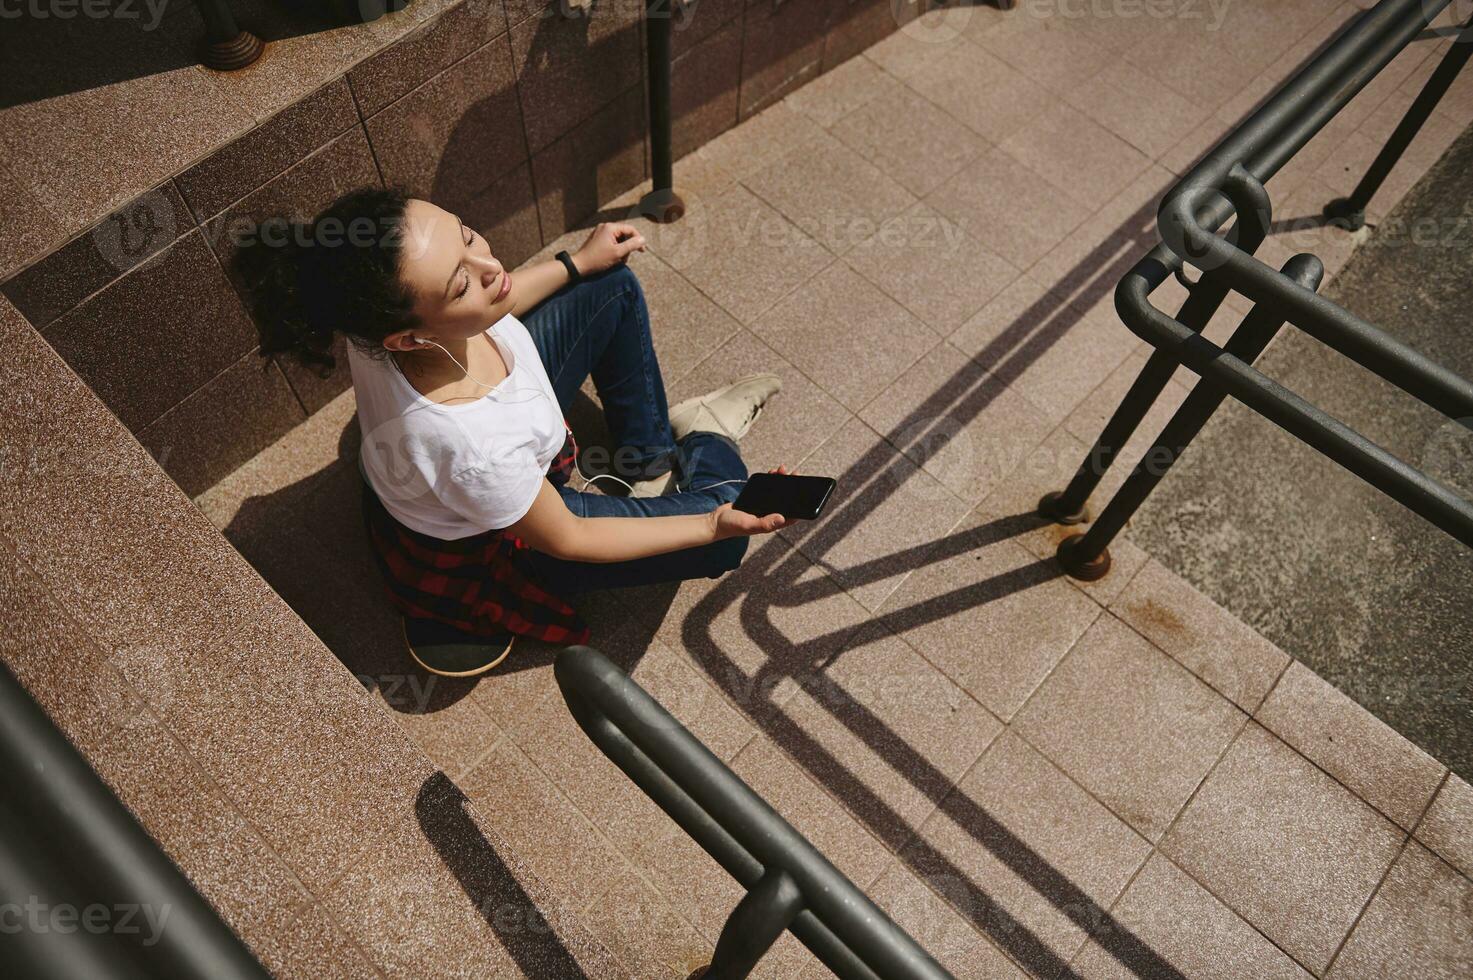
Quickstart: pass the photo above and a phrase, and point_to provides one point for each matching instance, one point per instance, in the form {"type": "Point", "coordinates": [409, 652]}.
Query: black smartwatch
{"type": "Point", "coordinates": [567, 260]}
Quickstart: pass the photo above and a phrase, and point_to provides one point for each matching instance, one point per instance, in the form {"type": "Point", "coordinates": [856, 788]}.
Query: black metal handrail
{"type": "Point", "coordinates": [1229, 181]}
{"type": "Point", "coordinates": [790, 884]}
{"type": "Point", "coordinates": [67, 843]}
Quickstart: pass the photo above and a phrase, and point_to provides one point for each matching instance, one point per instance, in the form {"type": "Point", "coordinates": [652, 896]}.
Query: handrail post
{"type": "Point", "coordinates": [757, 922]}
{"type": "Point", "coordinates": [1206, 296]}
{"type": "Point", "coordinates": [1087, 556]}
{"type": "Point", "coordinates": [1350, 212]}
{"type": "Point", "coordinates": [661, 204]}
{"type": "Point", "coordinates": [227, 47]}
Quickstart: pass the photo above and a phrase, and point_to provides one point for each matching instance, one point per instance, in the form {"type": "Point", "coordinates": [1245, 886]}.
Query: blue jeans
{"type": "Point", "coordinates": [601, 327]}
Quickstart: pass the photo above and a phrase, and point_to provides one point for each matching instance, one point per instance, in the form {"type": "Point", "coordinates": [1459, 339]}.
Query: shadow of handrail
{"type": "Point", "coordinates": [539, 951]}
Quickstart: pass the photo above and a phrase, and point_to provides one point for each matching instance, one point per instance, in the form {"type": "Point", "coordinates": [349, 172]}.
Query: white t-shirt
{"type": "Point", "coordinates": [451, 471]}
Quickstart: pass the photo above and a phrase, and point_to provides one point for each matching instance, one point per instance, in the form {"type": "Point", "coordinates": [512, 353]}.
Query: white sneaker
{"type": "Point", "coordinates": [654, 487]}
{"type": "Point", "coordinates": [729, 411]}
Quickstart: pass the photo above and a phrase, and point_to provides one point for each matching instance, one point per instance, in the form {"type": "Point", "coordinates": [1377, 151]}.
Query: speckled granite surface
{"type": "Point", "coordinates": [320, 832]}
{"type": "Point", "coordinates": [1034, 776]}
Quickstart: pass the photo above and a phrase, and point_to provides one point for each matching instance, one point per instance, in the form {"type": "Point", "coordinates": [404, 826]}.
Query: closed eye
{"type": "Point", "coordinates": [470, 239]}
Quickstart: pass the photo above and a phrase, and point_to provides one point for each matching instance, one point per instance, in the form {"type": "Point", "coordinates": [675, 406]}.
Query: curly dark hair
{"type": "Point", "coordinates": [337, 274]}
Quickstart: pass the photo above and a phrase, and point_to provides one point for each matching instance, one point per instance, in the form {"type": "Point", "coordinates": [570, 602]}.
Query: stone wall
{"type": "Point", "coordinates": [517, 117]}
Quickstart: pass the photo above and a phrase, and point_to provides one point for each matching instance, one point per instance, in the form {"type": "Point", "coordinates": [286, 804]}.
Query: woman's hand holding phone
{"type": "Point", "coordinates": [729, 523]}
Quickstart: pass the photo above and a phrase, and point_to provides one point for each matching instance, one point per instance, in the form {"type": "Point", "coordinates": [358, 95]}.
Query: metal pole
{"type": "Point", "coordinates": [1087, 556]}
{"type": "Point", "coordinates": [839, 924]}
{"type": "Point", "coordinates": [661, 204]}
{"type": "Point", "coordinates": [227, 47]}
{"type": "Point", "coordinates": [1254, 217]}
{"type": "Point", "coordinates": [757, 922]}
{"type": "Point", "coordinates": [50, 788]}
{"type": "Point", "coordinates": [1350, 212]}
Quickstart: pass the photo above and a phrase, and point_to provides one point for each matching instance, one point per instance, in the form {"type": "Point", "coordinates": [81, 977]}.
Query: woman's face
{"type": "Point", "coordinates": [460, 288]}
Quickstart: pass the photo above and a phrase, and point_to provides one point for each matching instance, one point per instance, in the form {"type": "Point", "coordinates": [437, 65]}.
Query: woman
{"type": "Point", "coordinates": [466, 457]}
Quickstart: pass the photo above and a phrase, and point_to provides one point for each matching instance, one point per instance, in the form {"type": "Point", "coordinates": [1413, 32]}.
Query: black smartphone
{"type": "Point", "coordinates": [798, 498]}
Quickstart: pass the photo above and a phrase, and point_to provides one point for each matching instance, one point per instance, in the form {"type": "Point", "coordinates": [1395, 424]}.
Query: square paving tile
{"type": "Point", "coordinates": [957, 422]}
{"type": "Point", "coordinates": [1008, 208]}
{"type": "Point", "coordinates": [740, 251]}
{"type": "Point", "coordinates": [223, 855]}
{"type": "Point", "coordinates": [845, 334]}
{"type": "Point", "coordinates": [760, 140]}
{"type": "Point", "coordinates": [233, 416]}
{"type": "Point", "coordinates": [760, 630]}
{"type": "Point", "coordinates": [1114, 100]}
{"type": "Point", "coordinates": [238, 168]}
{"type": "Point", "coordinates": [993, 617]}
{"type": "Point", "coordinates": [790, 791]}
{"type": "Point", "coordinates": [177, 305]}
{"type": "Point", "coordinates": [644, 929]}
{"type": "Point", "coordinates": [1351, 744]}
{"type": "Point", "coordinates": [909, 138]}
{"type": "Point", "coordinates": [1048, 351]}
{"type": "Point", "coordinates": [832, 192]}
{"type": "Point", "coordinates": [520, 802]}
{"type": "Point", "coordinates": [885, 732]}
{"type": "Point", "coordinates": [439, 43]}
{"type": "Point", "coordinates": [1059, 60]}
{"type": "Point", "coordinates": [1417, 925]}
{"type": "Point", "coordinates": [118, 243]}
{"type": "Point", "coordinates": [31, 228]}
{"type": "Point", "coordinates": [704, 85]}
{"type": "Point", "coordinates": [1448, 826]}
{"type": "Point", "coordinates": [1194, 61]}
{"type": "Point", "coordinates": [297, 691]}
{"type": "Point", "coordinates": [1166, 921]}
{"type": "Point", "coordinates": [1091, 260]}
{"type": "Point", "coordinates": [65, 671]}
{"type": "Point", "coordinates": [858, 24]}
{"type": "Point", "coordinates": [992, 98]}
{"type": "Point", "coordinates": [1201, 635]}
{"type": "Point", "coordinates": [950, 939]}
{"type": "Point", "coordinates": [922, 40]}
{"type": "Point", "coordinates": [687, 326]}
{"type": "Point", "coordinates": [591, 163]}
{"type": "Point", "coordinates": [1131, 725]}
{"type": "Point", "coordinates": [1284, 845]}
{"type": "Point", "coordinates": [85, 135]}
{"type": "Point", "coordinates": [1026, 855]}
{"type": "Point", "coordinates": [1048, 467]}
{"type": "Point", "coordinates": [456, 133]}
{"type": "Point", "coordinates": [881, 520]}
{"type": "Point", "coordinates": [567, 67]}
{"type": "Point", "coordinates": [913, 257]}
{"type": "Point", "coordinates": [1021, 319]}
{"type": "Point", "coordinates": [1075, 153]}
{"type": "Point", "coordinates": [442, 892]}
{"type": "Point", "coordinates": [782, 48]}
{"type": "Point", "coordinates": [839, 92]}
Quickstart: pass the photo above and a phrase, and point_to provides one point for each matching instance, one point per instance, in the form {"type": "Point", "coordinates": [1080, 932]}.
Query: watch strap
{"type": "Point", "coordinates": [567, 260]}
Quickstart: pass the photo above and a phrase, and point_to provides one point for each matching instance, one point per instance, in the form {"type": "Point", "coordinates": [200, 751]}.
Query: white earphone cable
{"type": "Point", "coordinates": [587, 480]}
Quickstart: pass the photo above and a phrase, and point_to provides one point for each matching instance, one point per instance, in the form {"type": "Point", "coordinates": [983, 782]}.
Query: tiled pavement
{"type": "Point", "coordinates": [1032, 775]}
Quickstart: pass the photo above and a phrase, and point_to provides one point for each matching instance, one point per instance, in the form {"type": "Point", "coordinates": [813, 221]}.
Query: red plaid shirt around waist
{"type": "Point", "coordinates": [477, 584]}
